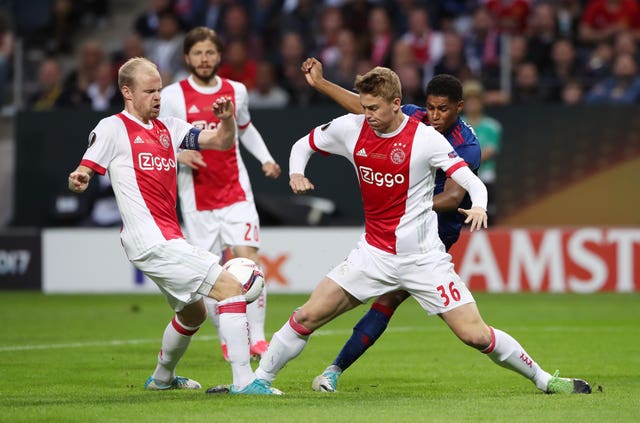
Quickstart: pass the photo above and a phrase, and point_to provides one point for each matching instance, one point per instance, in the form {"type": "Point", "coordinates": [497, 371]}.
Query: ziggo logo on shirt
{"type": "Point", "coordinates": [378, 178]}
{"type": "Point", "coordinates": [148, 161]}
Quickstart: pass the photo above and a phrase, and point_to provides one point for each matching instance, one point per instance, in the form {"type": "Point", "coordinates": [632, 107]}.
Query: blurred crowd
{"type": "Point", "coordinates": [522, 51]}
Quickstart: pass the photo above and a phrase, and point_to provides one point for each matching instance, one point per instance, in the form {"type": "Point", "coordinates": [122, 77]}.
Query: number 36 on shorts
{"type": "Point", "coordinates": [448, 293]}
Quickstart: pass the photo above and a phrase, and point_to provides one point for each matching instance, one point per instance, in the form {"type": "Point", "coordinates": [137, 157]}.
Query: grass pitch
{"type": "Point", "coordinates": [82, 358]}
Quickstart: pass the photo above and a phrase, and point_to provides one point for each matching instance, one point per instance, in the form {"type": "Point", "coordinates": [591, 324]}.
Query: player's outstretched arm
{"type": "Point", "coordinates": [312, 69]}
{"type": "Point", "coordinates": [300, 184]}
{"type": "Point", "coordinates": [79, 179]}
{"type": "Point", "coordinates": [450, 197]}
{"type": "Point", "coordinates": [223, 137]}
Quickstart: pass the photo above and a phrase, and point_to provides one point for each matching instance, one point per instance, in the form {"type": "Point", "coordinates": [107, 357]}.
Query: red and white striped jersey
{"type": "Point", "coordinates": [141, 160]}
{"type": "Point", "coordinates": [225, 180]}
{"type": "Point", "coordinates": [396, 172]}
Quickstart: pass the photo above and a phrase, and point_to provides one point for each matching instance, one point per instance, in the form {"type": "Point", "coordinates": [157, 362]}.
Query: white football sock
{"type": "Point", "coordinates": [508, 353]}
{"type": "Point", "coordinates": [214, 317]}
{"type": "Point", "coordinates": [256, 313]}
{"type": "Point", "coordinates": [234, 330]}
{"type": "Point", "coordinates": [175, 341]}
{"type": "Point", "coordinates": [286, 344]}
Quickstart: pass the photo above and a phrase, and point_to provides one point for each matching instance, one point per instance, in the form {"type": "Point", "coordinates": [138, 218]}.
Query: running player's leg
{"type": "Point", "coordinates": [365, 333]}
{"type": "Point", "coordinates": [327, 301]}
{"type": "Point", "coordinates": [257, 310]}
{"type": "Point", "coordinates": [465, 321]}
{"type": "Point", "coordinates": [175, 341]}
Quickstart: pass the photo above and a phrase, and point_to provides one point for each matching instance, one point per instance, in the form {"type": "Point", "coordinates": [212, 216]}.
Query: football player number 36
{"type": "Point", "coordinates": [447, 295]}
{"type": "Point", "coordinates": [252, 233]}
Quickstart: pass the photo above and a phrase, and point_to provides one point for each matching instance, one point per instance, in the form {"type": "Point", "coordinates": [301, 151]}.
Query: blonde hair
{"type": "Point", "coordinates": [380, 82]}
{"type": "Point", "coordinates": [472, 88]}
{"type": "Point", "coordinates": [128, 71]}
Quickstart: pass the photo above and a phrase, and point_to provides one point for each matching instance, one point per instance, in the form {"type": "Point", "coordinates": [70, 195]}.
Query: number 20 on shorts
{"type": "Point", "coordinates": [252, 233]}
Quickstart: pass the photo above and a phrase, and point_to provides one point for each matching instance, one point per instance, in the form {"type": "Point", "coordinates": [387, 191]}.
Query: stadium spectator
{"type": "Point", "coordinates": [453, 61]}
{"type": "Point", "coordinates": [572, 93]}
{"type": "Point", "coordinates": [103, 93]}
{"type": "Point", "coordinates": [426, 44]}
{"type": "Point", "coordinates": [236, 26]}
{"type": "Point", "coordinates": [622, 87]}
{"type": "Point", "coordinates": [6, 52]}
{"type": "Point", "coordinates": [624, 43]}
{"type": "Point", "coordinates": [146, 24]}
{"type": "Point", "coordinates": [344, 70]}
{"type": "Point", "coordinates": [391, 257]}
{"type": "Point", "coordinates": [165, 49]}
{"type": "Point", "coordinates": [216, 199]}
{"type": "Point", "coordinates": [599, 63]}
{"type": "Point", "coordinates": [300, 17]}
{"type": "Point", "coordinates": [132, 46]}
{"type": "Point", "coordinates": [380, 36]}
{"type": "Point", "coordinates": [291, 54]}
{"type": "Point", "coordinates": [50, 93]}
{"type": "Point", "coordinates": [412, 87]}
{"type": "Point", "coordinates": [92, 54]}
{"type": "Point", "coordinates": [527, 88]}
{"type": "Point", "coordinates": [511, 15]}
{"type": "Point", "coordinates": [542, 35]}
{"type": "Point", "coordinates": [489, 133]}
{"type": "Point", "coordinates": [326, 47]}
{"type": "Point", "coordinates": [483, 48]}
{"type": "Point", "coordinates": [267, 94]}
{"type": "Point", "coordinates": [568, 14]}
{"type": "Point", "coordinates": [603, 19]}
{"type": "Point", "coordinates": [151, 236]}
{"type": "Point", "coordinates": [237, 64]}
{"type": "Point", "coordinates": [565, 66]}
{"type": "Point", "coordinates": [207, 13]}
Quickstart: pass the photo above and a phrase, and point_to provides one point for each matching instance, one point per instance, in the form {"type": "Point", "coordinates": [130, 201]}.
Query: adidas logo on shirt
{"type": "Point", "coordinates": [362, 153]}
{"type": "Point", "coordinates": [138, 140]}
{"type": "Point", "coordinates": [194, 109]}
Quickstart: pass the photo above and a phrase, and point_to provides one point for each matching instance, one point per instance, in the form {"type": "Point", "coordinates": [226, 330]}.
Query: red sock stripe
{"type": "Point", "coordinates": [387, 311]}
{"type": "Point", "coordinates": [181, 329]}
{"type": "Point", "coordinates": [298, 327]}
{"type": "Point", "coordinates": [239, 307]}
{"type": "Point", "coordinates": [491, 346]}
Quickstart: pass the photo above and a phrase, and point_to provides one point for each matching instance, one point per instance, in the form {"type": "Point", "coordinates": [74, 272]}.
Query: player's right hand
{"type": "Point", "coordinates": [312, 69]}
{"type": "Point", "coordinates": [223, 108]}
{"type": "Point", "coordinates": [300, 184]}
{"type": "Point", "coordinates": [191, 158]}
{"type": "Point", "coordinates": [79, 181]}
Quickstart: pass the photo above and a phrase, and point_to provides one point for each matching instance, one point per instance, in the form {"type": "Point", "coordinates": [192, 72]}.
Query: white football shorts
{"type": "Point", "coordinates": [213, 230]}
{"type": "Point", "coordinates": [430, 278]}
{"type": "Point", "coordinates": [179, 269]}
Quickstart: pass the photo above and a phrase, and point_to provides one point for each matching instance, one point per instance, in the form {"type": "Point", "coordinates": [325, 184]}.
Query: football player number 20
{"type": "Point", "coordinates": [252, 233]}
{"type": "Point", "coordinates": [452, 293]}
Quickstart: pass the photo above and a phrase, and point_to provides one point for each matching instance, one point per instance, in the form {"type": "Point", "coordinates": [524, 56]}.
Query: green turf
{"type": "Point", "coordinates": [73, 358]}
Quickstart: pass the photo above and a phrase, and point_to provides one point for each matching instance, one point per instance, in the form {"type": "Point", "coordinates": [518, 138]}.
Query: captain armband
{"type": "Point", "coordinates": [190, 141]}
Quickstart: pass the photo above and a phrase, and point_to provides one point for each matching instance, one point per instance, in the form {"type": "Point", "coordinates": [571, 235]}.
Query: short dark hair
{"type": "Point", "coordinates": [201, 33]}
{"type": "Point", "coordinates": [445, 85]}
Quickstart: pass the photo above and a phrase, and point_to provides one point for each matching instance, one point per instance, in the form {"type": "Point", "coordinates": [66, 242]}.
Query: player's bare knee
{"type": "Point", "coordinates": [220, 285]}
{"type": "Point", "coordinates": [306, 319]}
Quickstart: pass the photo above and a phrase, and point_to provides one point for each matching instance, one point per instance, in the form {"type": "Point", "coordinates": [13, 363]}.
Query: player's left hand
{"type": "Point", "coordinates": [223, 108]}
{"type": "Point", "coordinates": [476, 217]}
{"type": "Point", "coordinates": [191, 158]}
{"type": "Point", "coordinates": [271, 170]}
{"type": "Point", "coordinates": [300, 184]}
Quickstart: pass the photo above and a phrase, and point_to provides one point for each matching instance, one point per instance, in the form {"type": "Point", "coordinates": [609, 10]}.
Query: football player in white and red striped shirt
{"type": "Point", "coordinates": [216, 200]}
{"type": "Point", "coordinates": [138, 149]}
{"type": "Point", "coordinates": [395, 157]}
